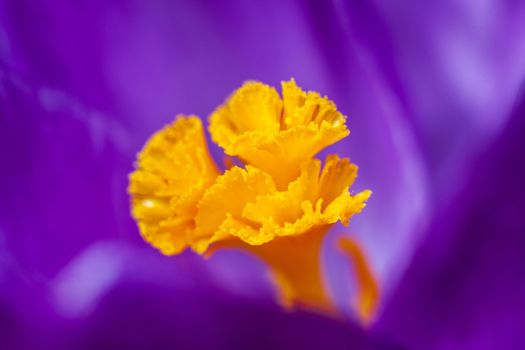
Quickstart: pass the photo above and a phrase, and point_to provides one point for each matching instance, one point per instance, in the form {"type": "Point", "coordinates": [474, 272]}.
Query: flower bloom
{"type": "Point", "coordinates": [278, 204]}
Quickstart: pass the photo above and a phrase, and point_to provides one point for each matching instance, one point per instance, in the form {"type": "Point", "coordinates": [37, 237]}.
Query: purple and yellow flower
{"type": "Point", "coordinates": [435, 106]}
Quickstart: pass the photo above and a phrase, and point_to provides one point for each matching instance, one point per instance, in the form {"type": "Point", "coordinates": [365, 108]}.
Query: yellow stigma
{"type": "Point", "coordinates": [279, 205]}
{"type": "Point", "coordinates": [173, 171]}
{"type": "Point", "coordinates": [267, 131]}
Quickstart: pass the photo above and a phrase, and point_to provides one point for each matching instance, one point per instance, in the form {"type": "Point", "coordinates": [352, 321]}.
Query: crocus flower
{"type": "Point", "coordinates": [425, 89]}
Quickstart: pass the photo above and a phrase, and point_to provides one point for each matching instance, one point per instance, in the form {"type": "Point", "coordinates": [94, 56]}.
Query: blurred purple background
{"type": "Point", "coordinates": [433, 94]}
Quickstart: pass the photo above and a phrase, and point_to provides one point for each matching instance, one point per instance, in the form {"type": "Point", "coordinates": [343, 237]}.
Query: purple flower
{"type": "Point", "coordinates": [431, 94]}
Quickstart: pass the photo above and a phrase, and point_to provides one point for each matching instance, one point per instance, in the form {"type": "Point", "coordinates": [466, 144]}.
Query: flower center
{"type": "Point", "coordinates": [278, 204]}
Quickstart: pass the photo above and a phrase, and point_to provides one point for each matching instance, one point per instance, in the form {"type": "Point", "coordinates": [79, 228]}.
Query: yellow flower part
{"type": "Point", "coordinates": [245, 204]}
{"type": "Point", "coordinates": [367, 297]}
{"type": "Point", "coordinates": [173, 171]}
{"type": "Point", "coordinates": [267, 131]}
{"type": "Point", "coordinates": [279, 204]}
{"type": "Point", "coordinates": [224, 202]}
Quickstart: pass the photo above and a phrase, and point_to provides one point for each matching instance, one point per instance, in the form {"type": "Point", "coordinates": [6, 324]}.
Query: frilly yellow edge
{"type": "Point", "coordinates": [278, 205]}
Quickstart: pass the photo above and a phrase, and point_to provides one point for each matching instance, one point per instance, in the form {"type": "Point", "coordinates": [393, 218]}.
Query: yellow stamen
{"type": "Point", "coordinates": [278, 204]}
{"type": "Point", "coordinates": [173, 171]}
{"type": "Point", "coordinates": [296, 270]}
{"type": "Point", "coordinates": [368, 288]}
{"type": "Point", "coordinates": [245, 203]}
{"type": "Point", "coordinates": [267, 131]}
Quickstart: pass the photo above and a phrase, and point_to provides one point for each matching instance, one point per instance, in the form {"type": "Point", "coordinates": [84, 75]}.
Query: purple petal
{"type": "Point", "coordinates": [142, 310]}
{"type": "Point", "coordinates": [63, 176]}
{"type": "Point", "coordinates": [465, 287]}
{"type": "Point", "coordinates": [455, 66]}
{"type": "Point", "coordinates": [452, 71]}
{"type": "Point", "coordinates": [143, 300]}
